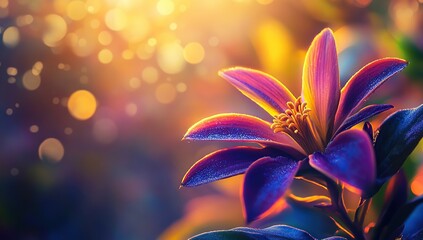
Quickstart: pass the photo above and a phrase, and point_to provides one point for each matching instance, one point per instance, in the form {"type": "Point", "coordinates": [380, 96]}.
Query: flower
{"type": "Point", "coordinates": [313, 129]}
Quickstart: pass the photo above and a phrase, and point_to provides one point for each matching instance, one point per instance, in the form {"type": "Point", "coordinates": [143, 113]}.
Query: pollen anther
{"type": "Point", "coordinates": [296, 123]}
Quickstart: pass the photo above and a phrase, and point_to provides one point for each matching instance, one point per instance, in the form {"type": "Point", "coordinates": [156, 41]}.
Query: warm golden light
{"type": "Point", "coordinates": [11, 71]}
{"type": "Point", "coordinates": [165, 93]}
{"type": "Point", "coordinates": [150, 75]}
{"type": "Point", "coordinates": [165, 7]}
{"type": "Point", "coordinates": [11, 37]}
{"type": "Point", "coordinates": [105, 38]}
{"type": "Point", "coordinates": [105, 56]}
{"type": "Point", "coordinates": [55, 30]}
{"type": "Point", "coordinates": [76, 10]}
{"type": "Point", "coordinates": [194, 53]}
{"type": "Point", "coordinates": [116, 19]}
{"type": "Point", "coordinates": [171, 58]}
{"type": "Point", "coordinates": [37, 68]}
{"type": "Point", "coordinates": [82, 104]}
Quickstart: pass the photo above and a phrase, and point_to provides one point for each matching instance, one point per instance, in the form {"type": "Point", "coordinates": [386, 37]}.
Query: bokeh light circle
{"type": "Point", "coordinates": [55, 30]}
{"type": "Point", "coordinates": [82, 104]}
{"type": "Point", "coordinates": [51, 150]}
{"type": "Point", "coordinates": [11, 37]}
{"type": "Point", "coordinates": [30, 81]}
{"type": "Point", "coordinates": [194, 53]}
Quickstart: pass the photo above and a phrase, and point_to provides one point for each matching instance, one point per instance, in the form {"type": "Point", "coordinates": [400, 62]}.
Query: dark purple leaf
{"type": "Point", "coordinates": [363, 83]}
{"type": "Point", "coordinates": [395, 197]}
{"type": "Point", "coordinates": [266, 180]}
{"type": "Point", "coordinates": [398, 135]}
{"type": "Point", "coordinates": [362, 115]}
{"type": "Point", "coordinates": [400, 217]}
{"type": "Point", "coordinates": [277, 232]}
{"type": "Point", "coordinates": [349, 158]}
{"type": "Point", "coordinates": [225, 163]}
{"type": "Point", "coordinates": [368, 128]}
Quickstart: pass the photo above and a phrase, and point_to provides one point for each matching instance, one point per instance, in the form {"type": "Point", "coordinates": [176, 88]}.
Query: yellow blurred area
{"type": "Point", "coordinates": [194, 53]}
{"type": "Point", "coordinates": [76, 10]}
{"type": "Point", "coordinates": [274, 46]}
{"type": "Point", "coordinates": [105, 56]}
{"type": "Point", "coordinates": [82, 104]}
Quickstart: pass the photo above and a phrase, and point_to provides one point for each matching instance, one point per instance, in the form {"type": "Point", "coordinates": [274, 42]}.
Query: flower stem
{"type": "Point", "coordinates": [360, 214]}
{"type": "Point", "coordinates": [338, 208]}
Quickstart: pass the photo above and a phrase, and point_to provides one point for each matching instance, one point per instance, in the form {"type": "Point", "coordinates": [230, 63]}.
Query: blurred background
{"type": "Point", "coordinates": [95, 96]}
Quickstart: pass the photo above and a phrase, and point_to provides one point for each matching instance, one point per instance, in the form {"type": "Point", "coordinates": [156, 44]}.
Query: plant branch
{"type": "Point", "coordinates": [338, 208]}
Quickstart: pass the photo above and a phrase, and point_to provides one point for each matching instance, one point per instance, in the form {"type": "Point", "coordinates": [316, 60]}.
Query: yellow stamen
{"type": "Point", "coordinates": [296, 123]}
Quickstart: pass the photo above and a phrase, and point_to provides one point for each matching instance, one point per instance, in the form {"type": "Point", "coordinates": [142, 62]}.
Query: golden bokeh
{"type": "Point", "coordinates": [34, 128]}
{"type": "Point", "coordinates": [11, 37]}
{"type": "Point", "coordinates": [76, 10]}
{"type": "Point", "coordinates": [12, 71]}
{"type": "Point", "coordinates": [31, 81]}
{"type": "Point", "coordinates": [194, 53]}
{"type": "Point", "coordinates": [116, 19]}
{"type": "Point", "coordinates": [82, 104]}
{"type": "Point", "coordinates": [105, 56]}
{"type": "Point", "coordinates": [51, 150]}
{"type": "Point", "coordinates": [55, 30]}
{"type": "Point", "coordinates": [171, 58]}
{"type": "Point", "coordinates": [105, 38]}
{"type": "Point", "coordinates": [165, 7]}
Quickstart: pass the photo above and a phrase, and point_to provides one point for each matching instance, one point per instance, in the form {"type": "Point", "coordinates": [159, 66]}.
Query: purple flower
{"type": "Point", "coordinates": [313, 129]}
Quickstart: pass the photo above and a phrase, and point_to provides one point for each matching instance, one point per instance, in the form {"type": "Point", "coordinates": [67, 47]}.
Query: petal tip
{"type": "Point", "coordinates": [226, 71]}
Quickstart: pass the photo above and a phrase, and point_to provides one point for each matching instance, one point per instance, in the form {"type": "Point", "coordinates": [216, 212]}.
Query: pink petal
{"type": "Point", "coordinates": [321, 89]}
{"type": "Point", "coordinates": [263, 89]}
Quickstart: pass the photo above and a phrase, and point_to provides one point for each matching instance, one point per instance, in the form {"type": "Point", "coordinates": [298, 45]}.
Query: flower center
{"type": "Point", "coordinates": [295, 122]}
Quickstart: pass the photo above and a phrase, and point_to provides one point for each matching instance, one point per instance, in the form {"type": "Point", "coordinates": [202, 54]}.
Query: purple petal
{"type": "Point", "coordinates": [263, 89]}
{"type": "Point", "coordinates": [362, 115]}
{"type": "Point", "coordinates": [349, 158]}
{"type": "Point", "coordinates": [321, 88]}
{"type": "Point", "coordinates": [266, 180]}
{"type": "Point", "coordinates": [224, 163]}
{"type": "Point", "coordinates": [239, 128]}
{"type": "Point", "coordinates": [364, 82]}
